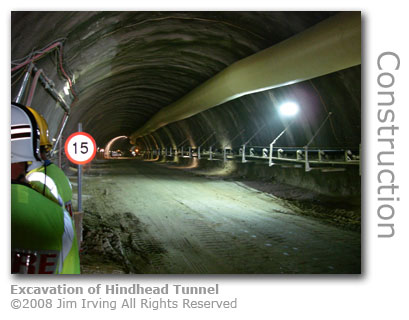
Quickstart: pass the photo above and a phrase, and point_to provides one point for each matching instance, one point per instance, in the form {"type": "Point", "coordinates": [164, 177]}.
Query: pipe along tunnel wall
{"type": "Point", "coordinates": [338, 93]}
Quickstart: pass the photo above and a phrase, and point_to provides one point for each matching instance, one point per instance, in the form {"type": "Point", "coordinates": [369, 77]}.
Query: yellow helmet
{"type": "Point", "coordinates": [43, 126]}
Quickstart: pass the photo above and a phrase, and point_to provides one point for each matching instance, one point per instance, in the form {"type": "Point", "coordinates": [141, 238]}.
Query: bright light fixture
{"type": "Point", "coordinates": [289, 109]}
{"type": "Point", "coordinates": [67, 89]}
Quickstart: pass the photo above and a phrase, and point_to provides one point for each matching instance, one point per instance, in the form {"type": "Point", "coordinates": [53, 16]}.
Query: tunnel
{"type": "Point", "coordinates": [228, 142]}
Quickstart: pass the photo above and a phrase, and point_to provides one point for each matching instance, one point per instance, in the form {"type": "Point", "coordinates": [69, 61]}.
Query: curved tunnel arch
{"type": "Point", "coordinates": [127, 67]}
{"type": "Point", "coordinates": [110, 144]}
{"type": "Point", "coordinates": [107, 60]}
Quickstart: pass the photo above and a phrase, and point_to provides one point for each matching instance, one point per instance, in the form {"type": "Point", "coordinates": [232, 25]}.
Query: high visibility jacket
{"type": "Point", "coordinates": [43, 236]}
{"type": "Point", "coordinates": [61, 181]}
{"type": "Point", "coordinates": [43, 184]}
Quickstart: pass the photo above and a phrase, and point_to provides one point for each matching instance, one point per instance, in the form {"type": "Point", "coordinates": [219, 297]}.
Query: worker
{"type": "Point", "coordinates": [63, 184]}
{"type": "Point", "coordinates": [50, 170]}
{"type": "Point", "coordinates": [42, 233]}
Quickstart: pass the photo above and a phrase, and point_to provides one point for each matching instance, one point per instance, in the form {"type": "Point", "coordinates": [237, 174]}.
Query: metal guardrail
{"type": "Point", "coordinates": [309, 158]}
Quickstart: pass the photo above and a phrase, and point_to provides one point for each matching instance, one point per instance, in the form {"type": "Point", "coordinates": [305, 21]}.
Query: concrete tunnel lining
{"type": "Point", "coordinates": [327, 47]}
{"type": "Point", "coordinates": [127, 67]}
{"type": "Point", "coordinates": [137, 63]}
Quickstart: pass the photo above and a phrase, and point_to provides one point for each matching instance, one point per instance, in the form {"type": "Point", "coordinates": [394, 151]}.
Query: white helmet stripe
{"type": "Point", "coordinates": [20, 138]}
{"type": "Point", "coordinates": [20, 130]}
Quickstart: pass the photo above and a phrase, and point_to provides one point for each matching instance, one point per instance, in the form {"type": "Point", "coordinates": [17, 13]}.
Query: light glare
{"type": "Point", "coordinates": [289, 109]}
{"type": "Point", "coordinates": [66, 89]}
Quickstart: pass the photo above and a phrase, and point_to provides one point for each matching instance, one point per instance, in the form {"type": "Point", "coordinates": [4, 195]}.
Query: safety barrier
{"type": "Point", "coordinates": [309, 158]}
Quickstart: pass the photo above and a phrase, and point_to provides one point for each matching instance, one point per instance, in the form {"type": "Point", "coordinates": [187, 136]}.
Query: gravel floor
{"type": "Point", "coordinates": [141, 217]}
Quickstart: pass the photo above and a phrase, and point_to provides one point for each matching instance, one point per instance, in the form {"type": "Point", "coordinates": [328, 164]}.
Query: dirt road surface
{"type": "Point", "coordinates": [143, 217]}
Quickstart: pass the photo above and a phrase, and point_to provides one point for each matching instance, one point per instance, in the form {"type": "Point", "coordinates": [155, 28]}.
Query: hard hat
{"type": "Point", "coordinates": [43, 126]}
{"type": "Point", "coordinates": [25, 135]}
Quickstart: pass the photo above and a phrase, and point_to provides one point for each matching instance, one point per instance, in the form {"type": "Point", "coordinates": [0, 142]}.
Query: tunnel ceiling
{"type": "Point", "coordinates": [126, 66]}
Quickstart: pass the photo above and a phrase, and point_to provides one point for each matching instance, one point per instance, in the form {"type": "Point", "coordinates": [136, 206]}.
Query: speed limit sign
{"type": "Point", "coordinates": [80, 148]}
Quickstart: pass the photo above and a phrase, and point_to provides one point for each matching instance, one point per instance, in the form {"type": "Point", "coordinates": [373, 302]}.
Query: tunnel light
{"type": "Point", "coordinates": [289, 109]}
{"type": "Point", "coordinates": [66, 89]}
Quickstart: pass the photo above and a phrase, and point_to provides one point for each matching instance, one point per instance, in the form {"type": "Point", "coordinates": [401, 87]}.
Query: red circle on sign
{"type": "Point", "coordinates": [70, 157]}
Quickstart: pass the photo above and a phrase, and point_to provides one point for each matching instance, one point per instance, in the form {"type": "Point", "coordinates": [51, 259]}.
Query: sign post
{"type": "Point", "coordinates": [80, 148]}
{"type": "Point", "coordinates": [79, 178]}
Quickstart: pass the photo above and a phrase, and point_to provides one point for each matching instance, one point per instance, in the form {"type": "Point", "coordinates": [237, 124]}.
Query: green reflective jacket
{"type": "Point", "coordinates": [61, 180]}
{"type": "Point", "coordinates": [43, 239]}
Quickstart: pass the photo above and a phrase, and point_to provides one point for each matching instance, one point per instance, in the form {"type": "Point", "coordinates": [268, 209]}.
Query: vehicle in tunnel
{"type": "Point", "coordinates": [234, 130]}
{"type": "Point", "coordinates": [117, 153]}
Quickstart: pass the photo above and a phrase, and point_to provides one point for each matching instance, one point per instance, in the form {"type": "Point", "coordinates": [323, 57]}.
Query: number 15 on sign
{"type": "Point", "coordinates": [80, 148]}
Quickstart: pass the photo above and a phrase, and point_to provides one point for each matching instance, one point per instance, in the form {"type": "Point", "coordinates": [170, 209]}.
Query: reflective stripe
{"type": "Point", "coordinates": [47, 181]}
{"type": "Point", "coordinates": [67, 239]}
{"type": "Point", "coordinates": [61, 180]}
{"type": "Point", "coordinates": [21, 130]}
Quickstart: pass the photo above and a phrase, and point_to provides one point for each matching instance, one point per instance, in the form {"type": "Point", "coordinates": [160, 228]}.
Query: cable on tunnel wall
{"type": "Point", "coordinates": [57, 44]}
{"type": "Point", "coordinates": [46, 82]}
